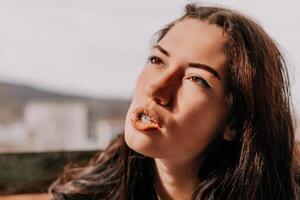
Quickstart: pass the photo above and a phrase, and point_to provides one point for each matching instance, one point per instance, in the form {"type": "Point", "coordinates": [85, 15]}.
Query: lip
{"type": "Point", "coordinates": [154, 123]}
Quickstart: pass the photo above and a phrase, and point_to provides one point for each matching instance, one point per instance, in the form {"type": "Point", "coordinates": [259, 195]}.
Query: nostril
{"type": "Point", "coordinates": [159, 94]}
{"type": "Point", "coordinates": [162, 101]}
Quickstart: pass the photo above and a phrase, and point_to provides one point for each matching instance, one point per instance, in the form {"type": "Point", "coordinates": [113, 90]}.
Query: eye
{"type": "Point", "coordinates": [200, 81]}
{"type": "Point", "coordinates": [155, 60]}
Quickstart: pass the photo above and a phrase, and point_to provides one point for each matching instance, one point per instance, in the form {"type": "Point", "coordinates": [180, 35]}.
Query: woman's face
{"type": "Point", "coordinates": [179, 104]}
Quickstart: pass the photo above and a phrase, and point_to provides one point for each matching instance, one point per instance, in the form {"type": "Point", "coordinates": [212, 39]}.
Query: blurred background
{"type": "Point", "coordinates": [68, 67]}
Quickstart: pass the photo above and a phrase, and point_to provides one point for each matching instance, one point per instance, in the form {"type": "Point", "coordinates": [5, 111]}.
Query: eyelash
{"type": "Point", "coordinates": [155, 60]}
{"type": "Point", "coordinates": [158, 61]}
{"type": "Point", "coordinates": [203, 82]}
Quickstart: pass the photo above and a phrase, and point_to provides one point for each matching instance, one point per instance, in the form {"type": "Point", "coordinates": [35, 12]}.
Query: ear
{"type": "Point", "coordinates": [230, 132]}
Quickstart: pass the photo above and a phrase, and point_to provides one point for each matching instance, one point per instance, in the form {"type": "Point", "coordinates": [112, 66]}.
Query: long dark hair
{"type": "Point", "coordinates": [259, 164]}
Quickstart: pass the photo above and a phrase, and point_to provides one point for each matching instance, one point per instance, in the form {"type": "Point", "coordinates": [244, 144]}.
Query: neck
{"type": "Point", "coordinates": [176, 179]}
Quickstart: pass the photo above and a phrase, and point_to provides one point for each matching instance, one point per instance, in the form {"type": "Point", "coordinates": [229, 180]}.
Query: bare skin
{"type": "Point", "coordinates": [184, 86]}
{"type": "Point", "coordinates": [176, 180]}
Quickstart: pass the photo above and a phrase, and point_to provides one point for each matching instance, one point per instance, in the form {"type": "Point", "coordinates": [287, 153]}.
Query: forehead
{"type": "Point", "coordinates": [193, 40]}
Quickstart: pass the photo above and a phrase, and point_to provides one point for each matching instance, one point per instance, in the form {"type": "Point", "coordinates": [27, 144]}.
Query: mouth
{"type": "Point", "coordinates": [144, 119]}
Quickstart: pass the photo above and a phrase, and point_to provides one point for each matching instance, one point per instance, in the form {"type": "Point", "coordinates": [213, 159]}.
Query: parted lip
{"type": "Point", "coordinates": [154, 117]}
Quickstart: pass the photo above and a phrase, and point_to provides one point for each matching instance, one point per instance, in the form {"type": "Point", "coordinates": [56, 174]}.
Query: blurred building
{"type": "Point", "coordinates": [55, 125]}
{"type": "Point", "coordinates": [35, 120]}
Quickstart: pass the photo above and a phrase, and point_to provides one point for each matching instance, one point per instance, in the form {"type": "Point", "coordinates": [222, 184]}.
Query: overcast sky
{"type": "Point", "coordinates": [97, 48]}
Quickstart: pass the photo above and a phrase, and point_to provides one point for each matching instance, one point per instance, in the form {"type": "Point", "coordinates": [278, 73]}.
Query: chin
{"type": "Point", "coordinates": [136, 142]}
{"type": "Point", "coordinates": [141, 143]}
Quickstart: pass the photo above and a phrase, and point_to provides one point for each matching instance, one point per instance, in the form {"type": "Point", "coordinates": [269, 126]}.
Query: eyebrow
{"type": "Point", "coordinates": [161, 50]}
{"type": "Point", "coordinates": [207, 68]}
{"type": "Point", "coordinates": [195, 65]}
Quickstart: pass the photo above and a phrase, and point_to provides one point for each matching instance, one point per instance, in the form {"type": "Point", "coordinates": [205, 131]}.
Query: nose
{"type": "Point", "coordinates": [163, 90]}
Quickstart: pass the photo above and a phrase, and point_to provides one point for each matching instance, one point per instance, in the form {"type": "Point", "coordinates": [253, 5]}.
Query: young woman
{"type": "Point", "coordinates": [210, 119]}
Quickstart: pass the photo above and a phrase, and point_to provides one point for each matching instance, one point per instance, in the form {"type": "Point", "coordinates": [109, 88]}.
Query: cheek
{"type": "Point", "coordinates": [197, 127]}
{"type": "Point", "coordinates": [199, 116]}
{"type": "Point", "coordinates": [139, 88]}
{"type": "Point", "coordinates": [144, 78]}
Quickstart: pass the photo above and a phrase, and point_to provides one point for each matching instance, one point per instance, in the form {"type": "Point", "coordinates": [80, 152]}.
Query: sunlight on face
{"type": "Point", "coordinates": [182, 90]}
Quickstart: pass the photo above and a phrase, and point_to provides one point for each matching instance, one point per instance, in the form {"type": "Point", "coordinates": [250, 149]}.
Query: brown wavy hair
{"type": "Point", "coordinates": [259, 164]}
